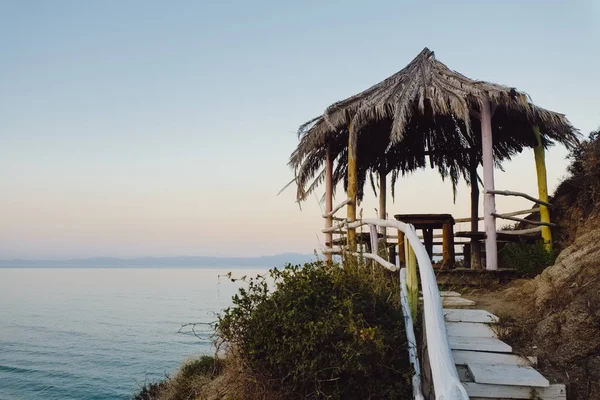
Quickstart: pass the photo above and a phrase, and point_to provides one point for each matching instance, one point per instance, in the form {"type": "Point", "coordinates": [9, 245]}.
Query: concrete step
{"type": "Point", "coordinates": [503, 374]}
{"type": "Point", "coordinates": [481, 391]}
{"type": "Point", "coordinates": [485, 344]}
{"type": "Point", "coordinates": [458, 315]}
{"type": "Point", "coordinates": [469, 329]}
{"type": "Point", "coordinates": [455, 302]}
{"type": "Point", "coordinates": [463, 357]}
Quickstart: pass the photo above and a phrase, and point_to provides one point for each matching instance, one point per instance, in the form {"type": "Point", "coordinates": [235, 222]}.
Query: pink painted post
{"type": "Point", "coordinates": [489, 200]}
{"type": "Point", "coordinates": [328, 200]}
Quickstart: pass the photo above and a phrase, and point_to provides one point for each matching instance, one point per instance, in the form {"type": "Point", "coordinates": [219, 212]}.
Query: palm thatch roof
{"type": "Point", "coordinates": [425, 111]}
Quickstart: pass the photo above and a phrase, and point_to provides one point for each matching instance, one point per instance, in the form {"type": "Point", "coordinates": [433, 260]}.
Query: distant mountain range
{"type": "Point", "coordinates": [277, 260]}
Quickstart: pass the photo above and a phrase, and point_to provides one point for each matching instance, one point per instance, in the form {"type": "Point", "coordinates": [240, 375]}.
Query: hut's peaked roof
{"type": "Point", "coordinates": [424, 108]}
{"type": "Point", "coordinates": [428, 85]}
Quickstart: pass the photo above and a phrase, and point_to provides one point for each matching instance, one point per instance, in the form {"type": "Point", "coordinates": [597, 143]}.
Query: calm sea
{"type": "Point", "coordinates": [99, 334]}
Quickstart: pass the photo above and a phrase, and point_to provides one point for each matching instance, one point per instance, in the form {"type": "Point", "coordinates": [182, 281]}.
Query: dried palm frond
{"type": "Point", "coordinates": [425, 111]}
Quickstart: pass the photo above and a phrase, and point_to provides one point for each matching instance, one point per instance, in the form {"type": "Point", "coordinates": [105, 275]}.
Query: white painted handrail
{"type": "Point", "coordinates": [443, 370]}
{"type": "Point", "coordinates": [519, 194]}
{"type": "Point", "coordinates": [375, 257]}
{"type": "Point", "coordinates": [524, 220]}
{"type": "Point", "coordinates": [522, 231]}
{"type": "Point", "coordinates": [337, 208]}
{"type": "Point", "coordinates": [335, 228]}
{"type": "Point", "coordinates": [509, 214]}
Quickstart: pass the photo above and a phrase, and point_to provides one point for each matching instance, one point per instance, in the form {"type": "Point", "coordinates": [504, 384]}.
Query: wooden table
{"type": "Point", "coordinates": [427, 223]}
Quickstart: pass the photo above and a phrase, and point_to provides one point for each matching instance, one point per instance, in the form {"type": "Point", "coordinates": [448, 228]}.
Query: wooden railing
{"type": "Point", "coordinates": [446, 382]}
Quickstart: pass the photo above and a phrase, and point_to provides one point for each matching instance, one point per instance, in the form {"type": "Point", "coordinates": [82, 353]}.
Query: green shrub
{"type": "Point", "coordinates": [528, 259]}
{"type": "Point", "coordinates": [321, 331]}
{"type": "Point", "coordinates": [205, 366]}
{"type": "Point", "coordinates": [150, 391]}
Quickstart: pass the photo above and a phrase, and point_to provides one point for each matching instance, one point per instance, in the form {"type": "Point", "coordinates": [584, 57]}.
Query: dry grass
{"type": "Point", "coordinates": [227, 379]}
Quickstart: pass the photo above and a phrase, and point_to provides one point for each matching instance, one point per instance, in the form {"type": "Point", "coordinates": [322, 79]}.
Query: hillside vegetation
{"type": "Point", "coordinates": [563, 326]}
{"type": "Point", "coordinates": [317, 331]}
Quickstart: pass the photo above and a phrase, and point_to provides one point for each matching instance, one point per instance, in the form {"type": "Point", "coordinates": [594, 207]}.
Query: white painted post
{"type": "Point", "coordinates": [489, 200]}
{"type": "Point", "coordinates": [328, 200]}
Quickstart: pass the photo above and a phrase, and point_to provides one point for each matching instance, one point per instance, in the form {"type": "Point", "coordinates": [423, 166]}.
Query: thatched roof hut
{"type": "Point", "coordinates": [423, 111]}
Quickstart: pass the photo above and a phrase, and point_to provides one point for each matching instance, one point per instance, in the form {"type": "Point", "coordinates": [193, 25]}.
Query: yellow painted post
{"type": "Point", "coordinates": [401, 249]}
{"type": "Point", "coordinates": [540, 166]}
{"type": "Point", "coordinates": [352, 188]}
{"type": "Point", "coordinates": [412, 283]}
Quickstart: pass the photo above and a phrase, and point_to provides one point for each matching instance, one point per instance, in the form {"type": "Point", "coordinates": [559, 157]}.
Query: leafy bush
{"type": "Point", "coordinates": [150, 391]}
{"type": "Point", "coordinates": [321, 331]}
{"type": "Point", "coordinates": [528, 259]}
{"type": "Point", "coordinates": [204, 366]}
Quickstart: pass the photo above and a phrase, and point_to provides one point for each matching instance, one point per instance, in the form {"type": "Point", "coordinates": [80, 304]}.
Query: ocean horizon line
{"type": "Point", "coordinates": [161, 262]}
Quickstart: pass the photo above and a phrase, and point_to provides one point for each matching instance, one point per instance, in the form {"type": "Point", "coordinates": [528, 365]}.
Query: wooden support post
{"type": "Point", "coordinates": [447, 246]}
{"type": "Point", "coordinates": [489, 200]}
{"type": "Point", "coordinates": [467, 253]}
{"type": "Point", "coordinates": [328, 200]}
{"type": "Point", "coordinates": [475, 254]}
{"type": "Point", "coordinates": [428, 241]}
{"type": "Point", "coordinates": [352, 187]}
{"type": "Point", "coordinates": [401, 250]}
{"type": "Point", "coordinates": [382, 201]}
{"type": "Point", "coordinates": [540, 166]}
{"type": "Point", "coordinates": [382, 196]}
{"type": "Point", "coordinates": [412, 283]}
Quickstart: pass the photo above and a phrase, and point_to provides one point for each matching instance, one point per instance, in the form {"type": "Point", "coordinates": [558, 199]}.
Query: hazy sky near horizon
{"type": "Point", "coordinates": [148, 128]}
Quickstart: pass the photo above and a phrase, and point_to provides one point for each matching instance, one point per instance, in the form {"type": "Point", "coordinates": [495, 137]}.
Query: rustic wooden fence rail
{"type": "Point", "coordinates": [443, 370]}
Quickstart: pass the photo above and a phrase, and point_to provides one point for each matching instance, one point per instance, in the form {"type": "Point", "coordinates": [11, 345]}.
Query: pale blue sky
{"type": "Point", "coordinates": [163, 128]}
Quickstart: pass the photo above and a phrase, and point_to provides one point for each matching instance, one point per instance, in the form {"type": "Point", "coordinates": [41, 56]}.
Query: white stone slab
{"type": "Point", "coordinates": [457, 302]}
{"type": "Point", "coordinates": [470, 329]}
{"type": "Point", "coordinates": [481, 316]}
{"type": "Point", "coordinates": [445, 293]}
{"type": "Point", "coordinates": [484, 391]}
{"type": "Point", "coordinates": [502, 374]}
{"type": "Point", "coordinates": [478, 344]}
{"type": "Point", "coordinates": [462, 357]}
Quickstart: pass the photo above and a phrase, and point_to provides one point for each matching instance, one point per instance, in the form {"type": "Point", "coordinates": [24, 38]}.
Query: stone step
{"type": "Point", "coordinates": [455, 302]}
{"type": "Point", "coordinates": [481, 391]}
{"type": "Point", "coordinates": [486, 344]}
{"type": "Point", "coordinates": [459, 315]}
{"type": "Point", "coordinates": [469, 329]}
{"type": "Point", "coordinates": [463, 357]}
{"type": "Point", "coordinates": [503, 374]}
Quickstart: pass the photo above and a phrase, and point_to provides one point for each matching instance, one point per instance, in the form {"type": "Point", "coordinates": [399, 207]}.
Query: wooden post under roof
{"type": "Point", "coordinates": [412, 282]}
{"type": "Point", "coordinates": [382, 201]}
{"type": "Point", "coordinates": [489, 200]}
{"type": "Point", "coordinates": [382, 194]}
{"type": "Point", "coordinates": [401, 250]}
{"type": "Point", "coordinates": [352, 187]}
{"type": "Point", "coordinates": [540, 166]}
{"type": "Point", "coordinates": [328, 200]}
{"type": "Point", "coordinates": [475, 244]}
